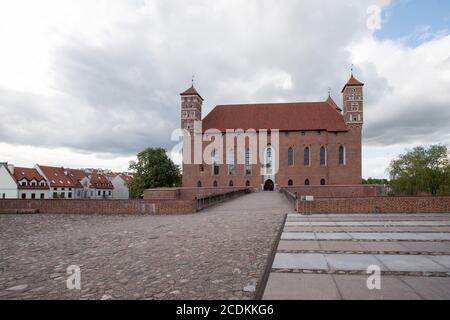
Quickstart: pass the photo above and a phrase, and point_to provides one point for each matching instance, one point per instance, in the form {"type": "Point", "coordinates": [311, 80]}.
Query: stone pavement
{"type": "Point", "coordinates": [220, 253]}
{"type": "Point", "coordinates": [327, 257]}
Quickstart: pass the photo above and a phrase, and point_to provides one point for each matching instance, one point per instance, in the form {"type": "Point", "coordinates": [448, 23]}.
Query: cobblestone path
{"type": "Point", "coordinates": [219, 253]}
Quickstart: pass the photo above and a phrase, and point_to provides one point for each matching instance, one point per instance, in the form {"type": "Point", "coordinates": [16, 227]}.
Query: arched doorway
{"type": "Point", "coordinates": [269, 185]}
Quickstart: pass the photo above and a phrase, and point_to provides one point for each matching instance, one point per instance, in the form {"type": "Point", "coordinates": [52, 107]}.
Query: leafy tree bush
{"type": "Point", "coordinates": [375, 181]}
{"type": "Point", "coordinates": [154, 169]}
{"type": "Point", "coordinates": [423, 169]}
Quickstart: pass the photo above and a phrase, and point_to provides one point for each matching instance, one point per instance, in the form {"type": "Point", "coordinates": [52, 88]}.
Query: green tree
{"type": "Point", "coordinates": [154, 169]}
{"type": "Point", "coordinates": [375, 181]}
{"type": "Point", "coordinates": [423, 169]}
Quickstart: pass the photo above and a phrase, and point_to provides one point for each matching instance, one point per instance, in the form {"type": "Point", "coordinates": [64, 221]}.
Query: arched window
{"type": "Point", "coordinates": [248, 162]}
{"type": "Point", "coordinates": [306, 156]}
{"type": "Point", "coordinates": [268, 161]}
{"type": "Point", "coordinates": [323, 156]}
{"type": "Point", "coordinates": [215, 184]}
{"type": "Point", "coordinates": [231, 184]}
{"type": "Point", "coordinates": [215, 162]}
{"type": "Point", "coordinates": [231, 162]}
{"type": "Point", "coordinates": [290, 182]}
{"type": "Point", "coordinates": [247, 184]}
{"type": "Point", "coordinates": [199, 184]}
{"type": "Point", "coordinates": [342, 159]}
{"type": "Point", "coordinates": [307, 182]}
{"type": "Point", "coordinates": [290, 156]}
{"type": "Point", "coordinates": [323, 182]}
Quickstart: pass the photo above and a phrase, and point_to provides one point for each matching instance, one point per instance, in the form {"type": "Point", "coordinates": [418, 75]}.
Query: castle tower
{"type": "Point", "coordinates": [353, 102]}
{"type": "Point", "coordinates": [191, 108]}
{"type": "Point", "coordinates": [353, 114]}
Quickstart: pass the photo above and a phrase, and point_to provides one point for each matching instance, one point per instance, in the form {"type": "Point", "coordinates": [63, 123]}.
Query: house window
{"type": "Point", "coordinates": [248, 162]}
{"type": "Point", "coordinates": [42, 196]}
{"type": "Point", "coordinates": [290, 183]}
{"type": "Point", "coordinates": [306, 156]}
{"type": "Point", "coordinates": [323, 156]}
{"type": "Point", "coordinates": [3, 196]}
{"type": "Point", "coordinates": [33, 196]}
{"type": "Point", "coordinates": [342, 155]}
{"type": "Point", "coordinates": [24, 183]}
{"type": "Point", "coordinates": [109, 193]}
{"type": "Point", "coordinates": [199, 184]}
{"type": "Point", "coordinates": [202, 168]}
{"type": "Point", "coordinates": [231, 184]}
{"type": "Point", "coordinates": [63, 195]}
{"type": "Point", "coordinates": [55, 195]}
{"type": "Point", "coordinates": [99, 193]}
{"type": "Point", "coordinates": [69, 195]}
{"type": "Point", "coordinates": [215, 162]}
{"type": "Point", "coordinates": [63, 189]}
{"type": "Point", "coordinates": [290, 156]}
{"type": "Point", "coordinates": [323, 182]}
{"type": "Point", "coordinates": [247, 183]}
{"type": "Point", "coordinates": [307, 182]}
{"type": "Point", "coordinates": [215, 184]}
{"type": "Point", "coordinates": [24, 196]}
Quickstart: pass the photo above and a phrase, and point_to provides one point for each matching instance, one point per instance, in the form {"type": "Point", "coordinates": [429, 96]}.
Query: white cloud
{"type": "Point", "coordinates": [104, 76]}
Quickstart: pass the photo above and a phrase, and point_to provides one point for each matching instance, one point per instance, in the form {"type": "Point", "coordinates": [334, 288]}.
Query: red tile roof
{"type": "Point", "coordinates": [99, 181]}
{"type": "Point", "coordinates": [352, 82]}
{"type": "Point", "coordinates": [302, 116]}
{"type": "Point", "coordinates": [29, 174]}
{"type": "Point", "coordinates": [331, 102]}
{"type": "Point", "coordinates": [126, 178]}
{"type": "Point", "coordinates": [76, 175]}
{"type": "Point", "coordinates": [58, 177]}
{"type": "Point", "coordinates": [191, 92]}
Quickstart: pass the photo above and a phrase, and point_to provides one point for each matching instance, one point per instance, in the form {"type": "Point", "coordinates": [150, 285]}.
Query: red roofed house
{"type": "Point", "coordinates": [100, 186]}
{"type": "Point", "coordinates": [22, 183]}
{"type": "Point", "coordinates": [61, 184]}
{"type": "Point", "coordinates": [319, 142]}
{"type": "Point", "coordinates": [120, 181]}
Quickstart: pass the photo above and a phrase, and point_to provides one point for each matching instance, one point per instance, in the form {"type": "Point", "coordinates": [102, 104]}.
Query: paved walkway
{"type": "Point", "coordinates": [220, 253]}
{"type": "Point", "coordinates": [327, 257]}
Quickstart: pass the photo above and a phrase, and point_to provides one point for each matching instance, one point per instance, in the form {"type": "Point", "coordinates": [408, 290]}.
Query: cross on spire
{"type": "Point", "coordinates": [352, 68]}
{"type": "Point", "coordinates": [329, 91]}
{"type": "Point", "coordinates": [193, 78]}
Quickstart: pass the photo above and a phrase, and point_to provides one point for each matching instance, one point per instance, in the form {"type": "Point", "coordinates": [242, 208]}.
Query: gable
{"type": "Point", "coordinates": [6, 179]}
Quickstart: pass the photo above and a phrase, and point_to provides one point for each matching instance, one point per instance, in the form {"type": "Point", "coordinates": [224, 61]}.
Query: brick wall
{"type": "Point", "coordinates": [185, 194]}
{"type": "Point", "coordinates": [379, 204]}
{"type": "Point", "coordinates": [333, 173]}
{"type": "Point", "coordinates": [60, 206]}
{"type": "Point", "coordinates": [339, 191]}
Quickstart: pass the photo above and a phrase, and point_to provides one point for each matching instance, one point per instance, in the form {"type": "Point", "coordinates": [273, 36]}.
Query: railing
{"type": "Point", "coordinates": [292, 197]}
{"type": "Point", "coordinates": [210, 200]}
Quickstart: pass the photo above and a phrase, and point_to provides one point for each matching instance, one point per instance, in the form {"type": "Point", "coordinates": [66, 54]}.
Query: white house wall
{"type": "Point", "coordinates": [8, 187]}
{"type": "Point", "coordinates": [120, 189]}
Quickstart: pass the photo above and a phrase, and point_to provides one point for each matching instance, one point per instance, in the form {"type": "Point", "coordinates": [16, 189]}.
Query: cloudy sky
{"type": "Point", "coordinates": [90, 83]}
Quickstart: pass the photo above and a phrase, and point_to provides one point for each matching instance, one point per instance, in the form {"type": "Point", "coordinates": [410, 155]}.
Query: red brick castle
{"type": "Point", "coordinates": [317, 143]}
